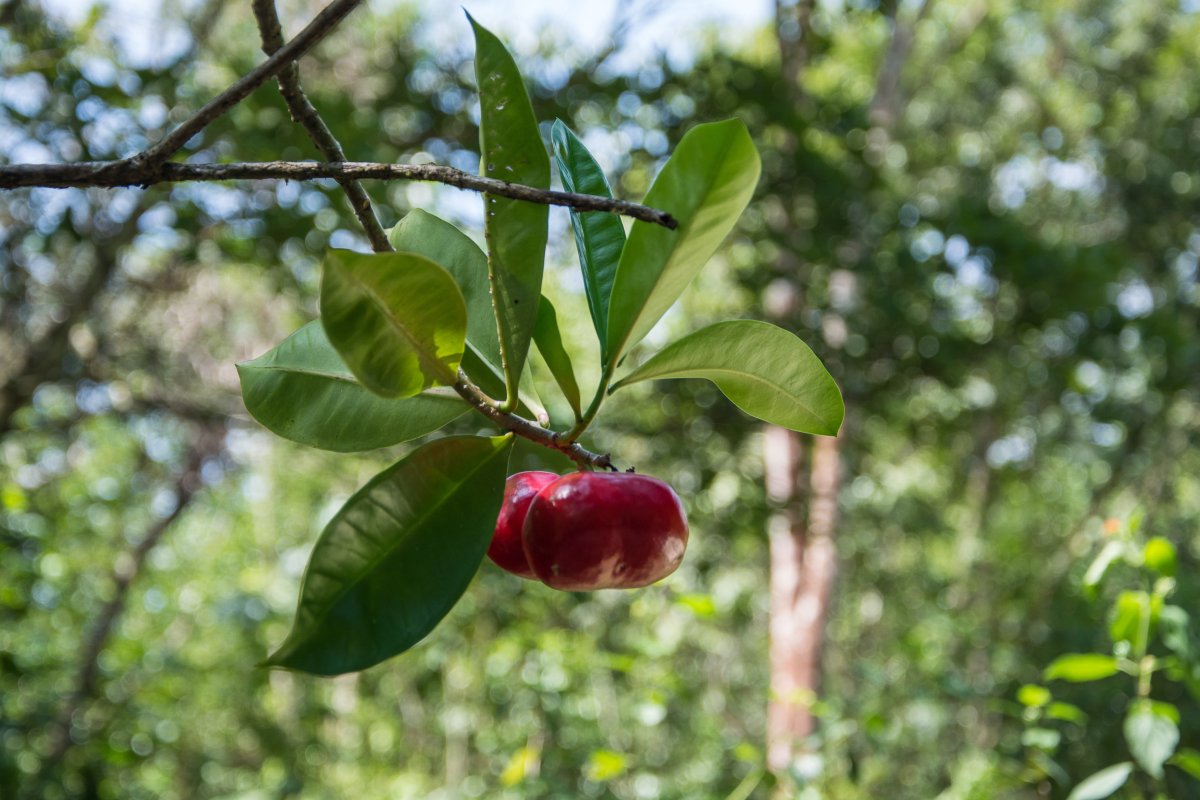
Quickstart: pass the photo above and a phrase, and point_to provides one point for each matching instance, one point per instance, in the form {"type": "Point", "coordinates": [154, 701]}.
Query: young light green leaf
{"type": "Point", "coordinates": [445, 245]}
{"type": "Point", "coordinates": [1081, 667]}
{"type": "Point", "coordinates": [303, 391]}
{"type": "Point", "coordinates": [1066, 712]}
{"type": "Point", "coordinates": [766, 371]}
{"type": "Point", "coordinates": [1159, 555]}
{"type": "Point", "coordinates": [1128, 624]}
{"type": "Point", "coordinates": [397, 556]}
{"type": "Point", "coordinates": [1152, 736]}
{"type": "Point", "coordinates": [398, 320]}
{"type": "Point", "coordinates": [1033, 696]}
{"type": "Point", "coordinates": [1103, 783]}
{"type": "Point", "coordinates": [1187, 760]}
{"type": "Point", "coordinates": [599, 237]}
{"type": "Point", "coordinates": [511, 150]}
{"type": "Point", "coordinates": [550, 345]}
{"type": "Point", "coordinates": [705, 185]}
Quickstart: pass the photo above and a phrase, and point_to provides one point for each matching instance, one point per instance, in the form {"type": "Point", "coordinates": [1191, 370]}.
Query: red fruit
{"type": "Point", "coordinates": [605, 530]}
{"type": "Point", "coordinates": [507, 550]}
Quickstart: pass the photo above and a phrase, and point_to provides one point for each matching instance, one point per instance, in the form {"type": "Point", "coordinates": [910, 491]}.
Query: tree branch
{"type": "Point", "coordinates": [304, 113]}
{"type": "Point", "coordinates": [315, 31]}
{"type": "Point", "coordinates": [527, 428]}
{"type": "Point", "coordinates": [124, 573]}
{"type": "Point", "coordinates": [128, 173]}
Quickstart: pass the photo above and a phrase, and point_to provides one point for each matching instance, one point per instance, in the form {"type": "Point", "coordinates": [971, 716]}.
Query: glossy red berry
{"type": "Point", "coordinates": [604, 530]}
{"type": "Point", "coordinates": [507, 549]}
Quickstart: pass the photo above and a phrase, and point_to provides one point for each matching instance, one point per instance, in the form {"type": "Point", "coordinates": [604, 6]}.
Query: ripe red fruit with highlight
{"type": "Point", "coordinates": [507, 550]}
{"type": "Point", "coordinates": [604, 530]}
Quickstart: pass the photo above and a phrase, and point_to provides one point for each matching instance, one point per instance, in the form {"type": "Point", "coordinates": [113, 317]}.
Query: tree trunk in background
{"type": "Point", "coordinates": [803, 569]}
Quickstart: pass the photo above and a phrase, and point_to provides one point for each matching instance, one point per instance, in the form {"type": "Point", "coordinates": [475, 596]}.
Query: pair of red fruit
{"type": "Point", "coordinates": [589, 530]}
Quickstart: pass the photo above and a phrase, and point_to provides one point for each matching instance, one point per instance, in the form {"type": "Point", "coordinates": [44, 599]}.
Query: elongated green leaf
{"type": "Point", "coordinates": [1152, 736]}
{"type": "Point", "coordinates": [397, 556]}
{"type": "Point", "coordinates": [398, 320]}
{"type": "Point", "coordinates": [766, 371]}
{"type": "Point", "coordinates": [445, 245]}
{"type": "Point", "coordinates": [1187, 760]}
{"type": "Point", "coordinates": [1081, 667]}
{"type": "Point", "coordinates": [511, 150]}
{"type": "Point", "coordinates": [705, 185]}
{"type": "Point", "coordinates": [303, 391]}
{"type": "Point", "coordinates": [1103, 783]}
{"type": "Point", "coordinates": [599, 237]}
{"type": "Point", "coordinates": [549, 343]}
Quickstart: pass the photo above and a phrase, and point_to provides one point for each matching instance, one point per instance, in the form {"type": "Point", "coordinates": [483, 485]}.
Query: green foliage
{"type": "Point", "coordinates": [705, 185]}
{"type": "Point", "coordinates": [511, 150]}
{"type": "Point", "coordinates": [397, 556]}
{"type": "Point", "coordinates": [398, 320]}
{"type": "Point", "coordinates": [550, 344]}
{"type": "Point", "coordinates": [303, 391]}
{"type": "Point", "coordinates": [599, 237]}
{"type": "Point", "coordinates": [766, 371]}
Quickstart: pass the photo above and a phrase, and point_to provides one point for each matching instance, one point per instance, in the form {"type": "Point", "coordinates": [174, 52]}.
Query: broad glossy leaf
{"type": "Point", "coordinates": [549, 342]}
{"type": "Point", "coordinates": [1103, 783]}
{"type": "Point", "coordinates": [1152, 737]}
{"type": "Point", "coordinates": [766, 371]}
{"type": "Point", "coordinates": [1081, 667]}
{"type": "Point", "coordinates": [397, 556]}
{"type": "Point", "coordinates": [398, 320]}
{"type": "Point", "coordinates": [511, 150]}
{"type": "Point", "coordinates": [705, 185]}
{"type": "Point", "coordinates": [445, 245]}
{"type": "Point", "coordinates": [599, 237]}
{"type": "Point", "coordinates": [303, 391]}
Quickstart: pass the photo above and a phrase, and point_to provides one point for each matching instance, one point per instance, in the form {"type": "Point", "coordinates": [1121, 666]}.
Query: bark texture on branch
{"type": "Point", "coordinates": [128, 173]}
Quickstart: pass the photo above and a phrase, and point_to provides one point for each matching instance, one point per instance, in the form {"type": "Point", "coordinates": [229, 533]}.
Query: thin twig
{"type": "Point", "coordinates": [527, 428]}
{"type": "Point", "coordinates": [129, 173]}
{"type": "Point", "coordinates": [314, 32]}
{"type": "Point", "coordinates": [305, 113]}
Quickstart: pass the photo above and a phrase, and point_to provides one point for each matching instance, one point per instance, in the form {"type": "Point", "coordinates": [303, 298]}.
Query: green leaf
{"type": "Point", "coordinates": [599, 236]}
{"type": "Point", "coordinates": [1159, 555]}
{"type": "Point", "coordinates": [303, 391]}
{"type": "Point", "coordinates": [1103, 783]}
{"type": "Point", "coordinates": [445, 245]}
{"type": "Point", "coordinates": [511, 150]}
{"type": "Point", "coordinates": [705, 185]}
{"type": "Point", "coordinates": [1127, 618]}
{"type": "Point", "coordinates": [1033, 696]}
{"type": "Point", "coordinates": [550, 345]}
{"type": "Point", "coordinates": [766, 371]}
{"type": "Point", "coordinates": [1081, 667]}
{"type": "Point", "coordinates": [1187, 760]}
{"type": "Point", "coordinates": [397, 556]}
{"type": "Point", "coordinates": [1152, 736]}
{"type": "Point", "coordinates": [1065, 712]}
{"type": "Point", "coordinates": [397, 319]}
{"type": "Point", "coordinates": [1176, 633]}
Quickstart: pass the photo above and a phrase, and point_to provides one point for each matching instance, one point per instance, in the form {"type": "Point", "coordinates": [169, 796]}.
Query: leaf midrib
{"type": "Point", "coordinates": [710, 180]}
{"type": "Point", "coordinates": [387, 552]}
{"type": "Point", "coordinates": [699, 372]}
{"type": "Point", "coordinates": [437, 368]}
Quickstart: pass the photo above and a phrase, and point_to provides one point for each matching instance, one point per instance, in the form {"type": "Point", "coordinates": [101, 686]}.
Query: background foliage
{"type": "Point", "coordinates": [998, 262]}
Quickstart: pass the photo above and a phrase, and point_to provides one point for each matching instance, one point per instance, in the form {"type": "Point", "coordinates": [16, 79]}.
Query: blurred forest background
{"type": "Point", "coordinates": [983, 216]}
